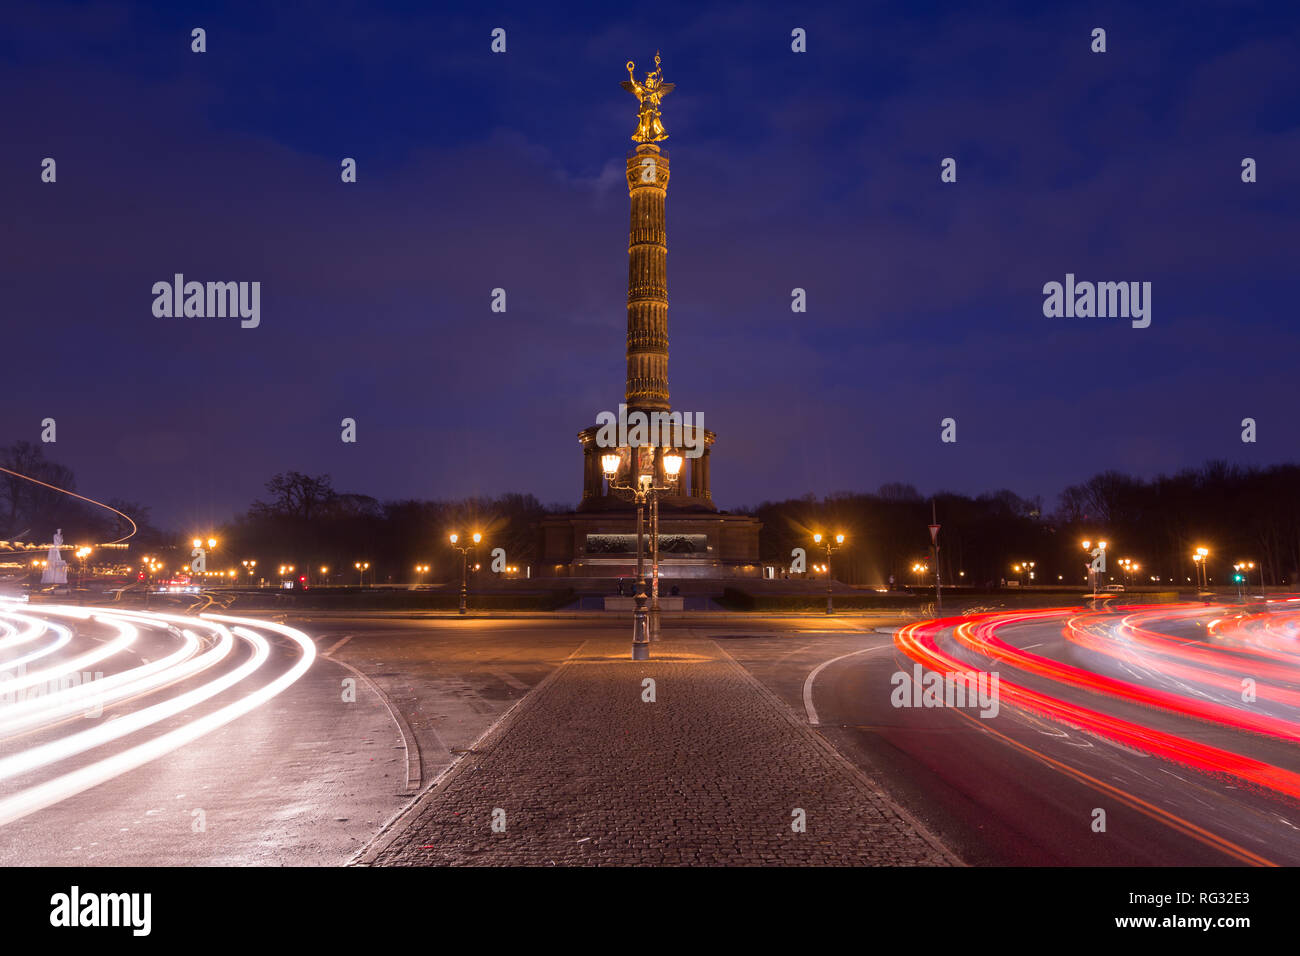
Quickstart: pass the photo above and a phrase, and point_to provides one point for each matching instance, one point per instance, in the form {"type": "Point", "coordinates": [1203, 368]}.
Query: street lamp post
{"type": "Point", "coordinates": [839, 539]}
{"type": "Point", "coordinates": [83, 553]}
{"type": "Point", "coordinates": [1097, 565]}
{"type": "Point", "coordinates": [1250, 566]}
{"type": "Point", "coordinates": [1129, 567]}
{"type": "Point", "coordinates": [641, 492]}
{"type": "Point", "coordinates": [934, 545]}
{"type": "Point", "coordinates": [1238, 579]}
{"type": "Point", "coordinates": [147, 571]}
{"type": "Point", "coordinates": [654, 544]}
{"type": "Point", "coordinates": [1201, 557]}
{"type": "Point", "coordinates": [654, 567]}
{"type": "Point", "coordinates": [464, 565]}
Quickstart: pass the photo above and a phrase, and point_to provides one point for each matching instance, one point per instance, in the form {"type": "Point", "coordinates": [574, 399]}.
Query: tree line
{"type": "Point", "coordinates": [31, 511]}
{"type": "Point", "coordinates": [1238, 514]}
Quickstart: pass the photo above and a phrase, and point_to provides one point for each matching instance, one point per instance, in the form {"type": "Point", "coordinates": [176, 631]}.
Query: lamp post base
{"type": "Point", "coordinates": [641, 630]}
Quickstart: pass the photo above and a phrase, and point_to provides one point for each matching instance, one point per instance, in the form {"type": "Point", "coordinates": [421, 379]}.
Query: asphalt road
{"type": "Point", "coordinates": [1021, 787]}
{"type": "Point", "coordinates": [1197, 776]}
{"type": "Point", "coordinates": [304, 777]}
{"type": "Point", "coordinates": [1026, 787]}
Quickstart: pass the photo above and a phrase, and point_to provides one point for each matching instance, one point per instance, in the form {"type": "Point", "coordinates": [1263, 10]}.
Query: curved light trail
{"type": "Point", "coordinates": [112, 686]}
{"type": "Point", "coordinates": [65, 491]}
{"type": "Point", "coordinates": [1237, 671]}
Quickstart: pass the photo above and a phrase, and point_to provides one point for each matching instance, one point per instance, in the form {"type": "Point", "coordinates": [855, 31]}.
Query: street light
{"type": "Point", "coordinates": [1027, 568]}
{"type": "Point", "coordinates": [464, 550]}
{"type": "Point", "coordinates": [83, 552]}
{"type": "Point", "coordinates": [362, 567]}
{"type": "Point", "coordinates": [1129, 567]}
{"type": "Point", "coordinates": [1250, 566]}
{"type": "Point", "coordinates": [642, 491]}
{"type": "Point", "coordinates": [420, 570]}
{"type": "Point", "coordinates": [839, 540]}
{"type": "Point", "coordinates": [1201, 557]}
{"type": "Point", "coordinates": [1240, 577]}
{"type": "Point", "coordinates": [249, 565]}
{"type": "Point", "coordinates": [1099, 554]}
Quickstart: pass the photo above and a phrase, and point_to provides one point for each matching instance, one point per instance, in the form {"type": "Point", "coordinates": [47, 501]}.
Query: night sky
{"type": "Point", "coordinates": [817, 170]}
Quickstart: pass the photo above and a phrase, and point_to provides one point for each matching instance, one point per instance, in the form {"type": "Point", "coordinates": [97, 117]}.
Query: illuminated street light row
{"type": "Point", "coordinates": [672, 464]}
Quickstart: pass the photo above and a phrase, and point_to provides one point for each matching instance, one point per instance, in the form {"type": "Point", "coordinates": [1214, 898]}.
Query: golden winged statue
{"type": "Point", "coordinates": [649, 127]}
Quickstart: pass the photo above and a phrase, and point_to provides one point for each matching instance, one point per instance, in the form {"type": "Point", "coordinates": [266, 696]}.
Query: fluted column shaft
{"type": "Point", "coordinates": [647, 281]}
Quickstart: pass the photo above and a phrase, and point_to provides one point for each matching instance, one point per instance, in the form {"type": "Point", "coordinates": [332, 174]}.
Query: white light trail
{"type": "Point", "coordinates": [202, 645]}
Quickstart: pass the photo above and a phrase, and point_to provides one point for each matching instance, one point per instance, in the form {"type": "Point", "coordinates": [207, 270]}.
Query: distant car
{"type": "Point", "coordinates": [1114, 588]}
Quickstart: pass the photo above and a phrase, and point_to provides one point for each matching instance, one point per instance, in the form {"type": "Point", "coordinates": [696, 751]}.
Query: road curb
{"type": "Point", "coordinates": [414, 767]}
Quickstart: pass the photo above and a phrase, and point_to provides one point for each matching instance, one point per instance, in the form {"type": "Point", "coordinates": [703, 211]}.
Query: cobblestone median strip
{"type": "Point", "coordinates": [715, 771]}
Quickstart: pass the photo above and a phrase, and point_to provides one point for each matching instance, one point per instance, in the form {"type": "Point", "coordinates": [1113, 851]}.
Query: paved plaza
{"type": "Point", "coordinates": [715, 770]}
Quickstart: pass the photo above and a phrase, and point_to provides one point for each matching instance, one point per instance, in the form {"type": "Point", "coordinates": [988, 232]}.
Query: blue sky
{"type": "Point", "coordinates": [475, 171]}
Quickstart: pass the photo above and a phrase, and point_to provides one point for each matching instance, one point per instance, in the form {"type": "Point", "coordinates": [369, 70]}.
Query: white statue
{"type": "Point", "coordinates": [56, 569]}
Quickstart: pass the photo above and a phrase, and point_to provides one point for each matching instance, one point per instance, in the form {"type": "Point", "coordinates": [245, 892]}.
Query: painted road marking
{"type": "Point", "coordinates": [808, 682]}
{"type": "Point", "coordinates": [509, 679]}
{"type": "Point", "coordinates": [337, 644]}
